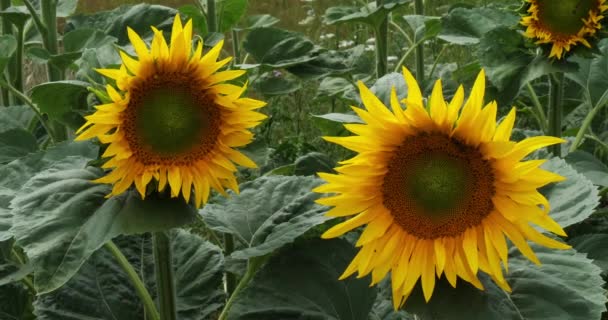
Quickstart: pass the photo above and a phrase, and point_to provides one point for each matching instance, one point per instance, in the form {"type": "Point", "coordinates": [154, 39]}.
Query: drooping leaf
{"type": "Point", "coordinates": [572, 200]}
{"type": "Point", "coordinates": [383, 87]}
{"type": "Point", "coordinates": [269, 213]}
{"type": "Point", "coordinates": [588, 165]}
{"type": "Point", "coordinates": [259, 21]}
{"type": "Point", "coordinates": [591, 76]}
{"type": "Point", "coordinates": [466, 26]}
{"type": "Point", "coordinates": [369, 14]}
{"type": "Point", "coordinates": [85, 38]}
{"type": "Point", "coordinates": [276, 84]}
{"type": "Point", "coordinates": [312, 163]}
{"type": "Point", "coordinates": [278, 48]}
{"type": "Point", "coordinates": [596, 248]}
{"type": "Point", "coordinates": [302, 283]}
{"type": "Point", "coordinates": [63, 101]}
{"type": "Point", "coordinates": [15, 139]}
{"type": "Point", "coordinates": [230, 12]}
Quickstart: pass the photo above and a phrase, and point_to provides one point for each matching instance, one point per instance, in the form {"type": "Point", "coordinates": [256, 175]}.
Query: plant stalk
{"type": "Point", "coordinates": [18, 67]}
{"type": "Point", "coordinates": [140, 288]}
{"type": "Point", "coordinates": [163, 261]}
{"type": "Point", "coordinates": [6, 30]}
{"type": "Point", "coordinates": [542, 118]}
{"type": "Point", "coordinates": [381, 45]}
{"type": "Point", "coordinates": [556, 96]}
{"type": "Point", "coordinates": [419, 10]}
{"type": "Point", "coordinates": [580, 135]}
{"type": "Point", "coordinates": [252, 267]}
{"type": "Point", "coordinates": [48, 10]}
{"type": "Point", "coordinates": [236, 47]}
{"type": "Point", "coordinates": [211, 16]}
{"type": "Point", "coordinates": [230, 277]}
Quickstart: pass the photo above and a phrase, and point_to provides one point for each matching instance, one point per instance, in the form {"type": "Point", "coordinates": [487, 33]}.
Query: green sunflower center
{"type": "Point", "coordinates": [437, 186]}
{"type": "Point", "coordinates": [438, 183]}
{"type": "Point", "coordinates": [171, 120]}
{"type": "Point", "coordinates": [564, 16]}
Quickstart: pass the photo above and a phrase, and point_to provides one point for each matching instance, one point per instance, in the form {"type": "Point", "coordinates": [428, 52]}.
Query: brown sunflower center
{"type": "Point", "coordinates": [565, 16]}
{"type": "Point", "coordinates": [437, 186]}
{"type": "Point", "coordinates": [170, 120]}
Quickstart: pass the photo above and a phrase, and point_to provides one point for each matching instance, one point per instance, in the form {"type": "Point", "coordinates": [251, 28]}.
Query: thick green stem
{"type": "Point", "coordinates": [538, 107]}
{"type": "Point", "coordinates": [26, 280]}
{"type": "Point", "coordinates": [419, 10]}
{"type": "Point", "coordinates": [6, 29]}
{"type": "Point", "coordinates": [230, 277]}
{"type": "Point", "coordinates": [211, 16]}
{"type": "Point", "coordinates": [236, 47]}
{"type": "Point", "coordinates": [556, 96]}
{"type": "Point", "coordinates": [381, 44]}
{"type": "Point", "coordinates": [585, 126]}
{"type": "Point", "coordinates": [163, 261]}
{"type": "Point", "coordinates": [30, 104]}
{"type": "Point", "coordinates": [252, 267]}
{"type": "Point", "coordinates": [140, 288]}
{"type": "Point", "coordinates": [18, 67]}
{"type": "Point", "coordinates": [48, 9]}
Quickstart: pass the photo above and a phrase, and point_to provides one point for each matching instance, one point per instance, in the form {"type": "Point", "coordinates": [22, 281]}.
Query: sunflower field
{"type": "Point", "coordinates": [304, 160]}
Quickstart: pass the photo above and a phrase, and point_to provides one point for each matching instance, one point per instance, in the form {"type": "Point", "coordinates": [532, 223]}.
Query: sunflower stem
{"type": "Point", "coordinates": [163, 262]}
{"type": "Point", "coordinates": [211, 16]}
{"type": "Point", "coordinates": [140, 288]}
{"type": "Point", "coordinates": [538, 107]}
{"type": "Point", "coordinates": [17, 72]}
{"type": "Point", "coordinates": [252, 267]}
{"type": "Point", "coordinates": [236, 49]}
{"type": "Point", "coordinates": [556, 95]}
{"type": "Point", "coordinates": [419, 10]}
{"type": "Point", "coordinates": [230, 277]}
{"type": "Point", "coordinates": [6, 30]}
{"type": "Point", "coordinates": [26, 280]}
{"type": "Point", "coordinates": [381, 44]}
{"type": "Point", "coordinates": [580, 135]}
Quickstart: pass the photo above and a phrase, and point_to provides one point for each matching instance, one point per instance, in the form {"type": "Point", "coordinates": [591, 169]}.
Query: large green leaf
{"type": "Point", "coordinates": [466, 26]}
{"type": "Point", "coordinates": [84, 38]}
{"type": "Point", "coordinates": [312, 163]}
{"type": "Point", "coordinates": [566, 286]}
{"type": "Point", "coordinates": [596, 248]}
{"type": "Point", "coordinates": [572, 200]}
{"type": "Point", "coordinates": [302, 283]}
{"type": "Point", "coordinates": [60, 218]}
{"type": "Point", "coordinates": [16, 173]}
{"type": "Point", "coordinates": [62, 100]}
{"type": "Point", "coordinates": [15, 302]}
{"type": "Point", "coordinates": [383, 87]}
{"type": "Point", "coordinates": [269, 213]}
{"type": "Point", "coordinates": [102, 291]}
{"type": "Point", "coordinates": [590, 166]}
{"type": "Point", "coordinates": [278, 48]}
{"type": "Point", "coordinates": [15, 140]}
{"type": "Point", "coordinates": [230, 12]}
{"type": "Point", "coordinates": [115, 22]}
{"type": "Point", "coordinates": [276, 83]}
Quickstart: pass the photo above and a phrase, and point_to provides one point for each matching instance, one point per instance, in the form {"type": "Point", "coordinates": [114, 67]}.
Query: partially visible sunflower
{"type": "Point", "coordinates": [563, 24]}
{"type": "Point", "coordinates": [438, 189]}
{"type": "Point", "coordinates": [172, 118]}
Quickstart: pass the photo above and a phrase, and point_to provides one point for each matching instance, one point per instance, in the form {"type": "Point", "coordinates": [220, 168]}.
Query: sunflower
{"type": "Point", "coordinates": [439, 190]}
{"type": "Point", "coordinates": [564, 23]}
{"type": "Point", "coordinates": [172, 119]}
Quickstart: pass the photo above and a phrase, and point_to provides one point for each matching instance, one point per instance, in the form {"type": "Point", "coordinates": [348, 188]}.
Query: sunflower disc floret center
{"type": "Point", "coordinates": [437, 186]}
{"type": "Point", "coordinates": [169, 121]}
{"type": "Point", "coordinates": [565, 17]}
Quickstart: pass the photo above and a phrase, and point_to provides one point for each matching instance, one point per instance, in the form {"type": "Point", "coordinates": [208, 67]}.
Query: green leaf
{"type": "Point", "coordinates": [327, 63]}
{"type": "Point", "coordinates": [383, 306]}
{"type": "Point", "coordinates": [302, 283]}
{"type": "Point", "coordinates": [276, 84]}
{"type": "Point", "coordinates": [15, 140]}
{"type": "Point", "coordinates": [333, 86]}
{"type": "Point", "coordinates": [62, 100]}
{"type": "Point", "coordinates": [15, 302]}
{"type": "Point", "coordinates": [16, 173]}
{"type": "Point", "coordinates": [591, 77]}
{"type": "Point", "coordinates": [590, 166]}
{"type": "Point", "coordinates": [383, 87]}
{"type": "Point", "coordinates": [115, 22]}
{"type": "Point", "coordinates": [259, 21]}
{"type": "Point", "coordinates": [82, 222]}
{"type": "Point", "coordinates": [199, 21]}
{"type": "Point", "coordinates": [81, 39]}
{"type": "Point", "coordinates": [230, 12]}
{"type": "Point", "coordinates": [18, 16]}
{"type": "Point", "coordinates": [312, 163]}
{"type": "Point", "coordinates": [369, 14]}
{"type": "Point", "coordinates": [466, 26]}
{"type": "Point", "coordinates": [101, 289]}
{"type": "Point", "coordinates": [278, 48]}
{"type": "Point", "coordinates": [423, 27]}
{"type": "Point", "coordinates": [8, 45]}
{"type": "Point", "coordinates": [565, 286]}
{"type": "Point", "coordinates": [572, 200]}
{"type": "Point", "coordinates": [596, 248]}
{"type": "Point", "coordinates": [269, 213]}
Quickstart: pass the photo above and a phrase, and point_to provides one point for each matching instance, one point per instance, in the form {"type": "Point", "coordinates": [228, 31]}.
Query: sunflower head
{"type": "Point", "coordinates": [173, 120]}
{"type": "Point", "coordinates": [563, 24]}
{"type": "Point", "coordinates": [439, 187]}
